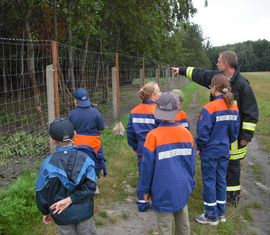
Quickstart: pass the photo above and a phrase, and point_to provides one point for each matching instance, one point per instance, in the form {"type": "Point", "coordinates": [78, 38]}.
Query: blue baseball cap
{"type": "Point", "coordinates": [81, 95]}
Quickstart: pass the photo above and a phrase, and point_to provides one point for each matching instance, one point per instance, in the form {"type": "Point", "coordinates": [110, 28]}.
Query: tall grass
{"type": "Point", "coordinates": [18, 202]}
{"type": "Point", "coordinates": [260, 83]}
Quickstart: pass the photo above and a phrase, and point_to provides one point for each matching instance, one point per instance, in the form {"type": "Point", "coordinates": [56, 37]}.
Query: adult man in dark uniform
{"type": "Point", "coordinates": [248, 111]}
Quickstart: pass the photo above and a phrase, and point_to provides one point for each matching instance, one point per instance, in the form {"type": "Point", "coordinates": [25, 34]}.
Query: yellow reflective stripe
{"type": "Point", "coordinates": [233, 188]}
{"type": "Point", "coordinates": [234, 146]}
{"type": "Point", "coordinates": [249, 126]}
{"type": "Point", "coordinates": [236, 157]}
{"type": "Point", "coordinates": [238, 153]}
{"type": "Point", "coordinates": [189, 72]}
{"type": "Point", "coordinates": [235, 101]}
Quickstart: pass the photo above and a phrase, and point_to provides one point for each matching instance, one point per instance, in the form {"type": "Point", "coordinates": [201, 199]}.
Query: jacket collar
{"type": "Point", "coordinates": [236, 73]}
{"type": "Point", "coordinates": [148, 102]}
{"type": "Point", "coordinates": [218, 97]}
{"type": "Point", "coordinates": [169, 124]}
{"type": "Point", "coordinates": [62, 149]}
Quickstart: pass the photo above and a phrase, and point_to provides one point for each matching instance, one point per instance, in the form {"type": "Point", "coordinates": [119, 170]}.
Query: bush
{"type": "Point", "coordinates": [18, 205]}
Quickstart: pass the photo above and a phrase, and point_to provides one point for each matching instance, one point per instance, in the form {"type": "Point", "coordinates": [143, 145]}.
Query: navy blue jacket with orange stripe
{"type": "Point", "coordinates": [169, 167]}
{"type": "Point", "coordinates": [217, 128]}
{"type": "Point", "coordinates": [141, 121]}
{"type": "Point", "coordinates": [182, 119]}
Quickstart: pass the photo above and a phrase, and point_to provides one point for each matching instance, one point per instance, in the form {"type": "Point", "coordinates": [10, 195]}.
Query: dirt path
{"type": "Point", "coordinates": [253, 190]}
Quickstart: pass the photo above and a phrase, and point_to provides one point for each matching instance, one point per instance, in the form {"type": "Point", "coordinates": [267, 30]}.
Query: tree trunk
{"type": "Point", "coordinates": [32, 64]}
{"type": "Point", "coordinates": [71, 68]}
{"type": "Point", "coordinates": [62, 85]}
{"type": "Point", "coordinates": [83, 79]}
{"type": "Point", "coordinates": [45, 23]}
{"type": "Point", "coordinates": [55, 20]}
{"type": "Point", "coordinates": [21, 77]}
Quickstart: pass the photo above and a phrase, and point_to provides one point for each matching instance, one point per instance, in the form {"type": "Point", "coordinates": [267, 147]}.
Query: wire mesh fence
{"type": "Point", "coordinates": [24, 95]}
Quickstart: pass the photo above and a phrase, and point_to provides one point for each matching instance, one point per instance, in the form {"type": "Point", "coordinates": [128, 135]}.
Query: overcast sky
{"type": "Point", "coordinates": [231, 21]}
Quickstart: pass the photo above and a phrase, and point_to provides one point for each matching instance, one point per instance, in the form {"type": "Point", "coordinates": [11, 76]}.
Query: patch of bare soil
{"type": "Point", "coordinates": [256, 187]}
{"type": "Point", "coordinates": [253, 190]}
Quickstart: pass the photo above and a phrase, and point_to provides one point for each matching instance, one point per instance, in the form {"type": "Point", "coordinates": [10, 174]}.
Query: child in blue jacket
{"type": "Point", "coordinates": [181, 116]}
{"type": "Point", "coordinates": [169, 168]}
{"type": "Point", "coordinates": [66, 183]}
{"type": "Point", "coordinates": [141, 121]}
{"type": "Point", "coordinates": [217, 127]}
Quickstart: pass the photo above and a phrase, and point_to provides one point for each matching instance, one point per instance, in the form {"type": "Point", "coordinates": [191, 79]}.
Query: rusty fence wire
{"type": "Point", "coordinates": [24, 96]}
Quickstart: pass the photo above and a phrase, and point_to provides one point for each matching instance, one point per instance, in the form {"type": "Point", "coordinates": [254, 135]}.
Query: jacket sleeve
{"type": "Point", "coordinates": [148, 167]}
{"type": "Point", "coordinates": [42, 192]}
{"type": "Point", "coordinates": [234, 128]}
{"type": "Point", "coordinates": [204, 129]}
{"type": "Point", "coordinates": [131, 135]}
{"type": "Point", "coordinates": [42, 201]}
{"type": "Point", "coordinates": [199, 75]}
{"type": "Point", "coordinates": [250, 113]}
{"type": "Point", "coordinates": [100, 121]}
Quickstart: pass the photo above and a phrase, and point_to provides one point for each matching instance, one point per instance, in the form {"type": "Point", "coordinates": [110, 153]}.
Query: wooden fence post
{"type": "Point", "coordinates": [141, 78]}
{"type": "Point", "coordinates": [115, 94]}
{"type": "Point", "coordinates": [117, 85]}
{"type": "Point", "coordinates": [157, 76]}
{"type": "Point", "coordinates": [55, 75]}
{"type": "Point", "coordinates": [173, 81]}
{"type": "Point", "coordinates": [143, 72]}
{"type": "Point", "coordinates": [167, 80]}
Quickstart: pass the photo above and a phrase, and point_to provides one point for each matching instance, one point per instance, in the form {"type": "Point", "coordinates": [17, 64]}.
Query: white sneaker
{"type": "Point", "coordinates": [97, 191]}
{"type": "Point", "coordinates": [203, 220]}
{"type": "Point", "coordinates": [222, 218]}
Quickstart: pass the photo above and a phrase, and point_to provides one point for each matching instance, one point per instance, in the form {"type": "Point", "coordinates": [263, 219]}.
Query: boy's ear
{"type": "Point", "coordinates": [52, 141]}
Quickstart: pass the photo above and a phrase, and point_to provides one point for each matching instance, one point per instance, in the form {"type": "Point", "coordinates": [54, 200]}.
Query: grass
{"type": "Point", "coordinates": [258, 173]}
{"type": "Point", "coordinates": [122, 179]}
{"type": "Point", "coordinates": [260, 82]}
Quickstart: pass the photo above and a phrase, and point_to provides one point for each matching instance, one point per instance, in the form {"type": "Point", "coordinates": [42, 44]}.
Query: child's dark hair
{"type": "Point", "coordinates": [148, 90]}
{"type": "Point", "coordinates": [222, 84]}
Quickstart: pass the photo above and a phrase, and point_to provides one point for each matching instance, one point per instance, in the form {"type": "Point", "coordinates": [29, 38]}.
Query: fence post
{"type": "Point", "coordinates": [157, 74]}
{"type": "Point", "coordinates": [117, 85]}
{"type": "Point", "coordinates": [50, 97]}
{"type": "Point", "coordinates": [141, 78]}
{"type": "Point", "coordinates": [143, 72]}
{"type": "Point", "coordinates": [55, 75]}
{"type": "Point", "coordinates": [173, 82]}
{"type": "Point", "coordinates": [114, 93]}
{"type": "Point", "coordinates": [167, 80]}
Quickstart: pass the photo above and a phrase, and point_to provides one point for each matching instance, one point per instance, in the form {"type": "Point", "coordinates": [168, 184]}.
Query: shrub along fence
{"type": "Point", "coordinates": [37, 82]}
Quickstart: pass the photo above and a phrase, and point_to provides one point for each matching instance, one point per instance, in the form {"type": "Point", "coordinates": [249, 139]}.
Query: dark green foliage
{"type": "Point", "coordinates": [18, 205]}
{"type": "Point", "coordinates": [22, 144]}
{"type": "Point", "coordinates": [253, 56]}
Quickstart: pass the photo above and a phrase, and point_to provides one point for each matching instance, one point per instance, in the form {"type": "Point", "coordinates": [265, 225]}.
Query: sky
{"type": "Point", "coordinates": [231, 21]}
